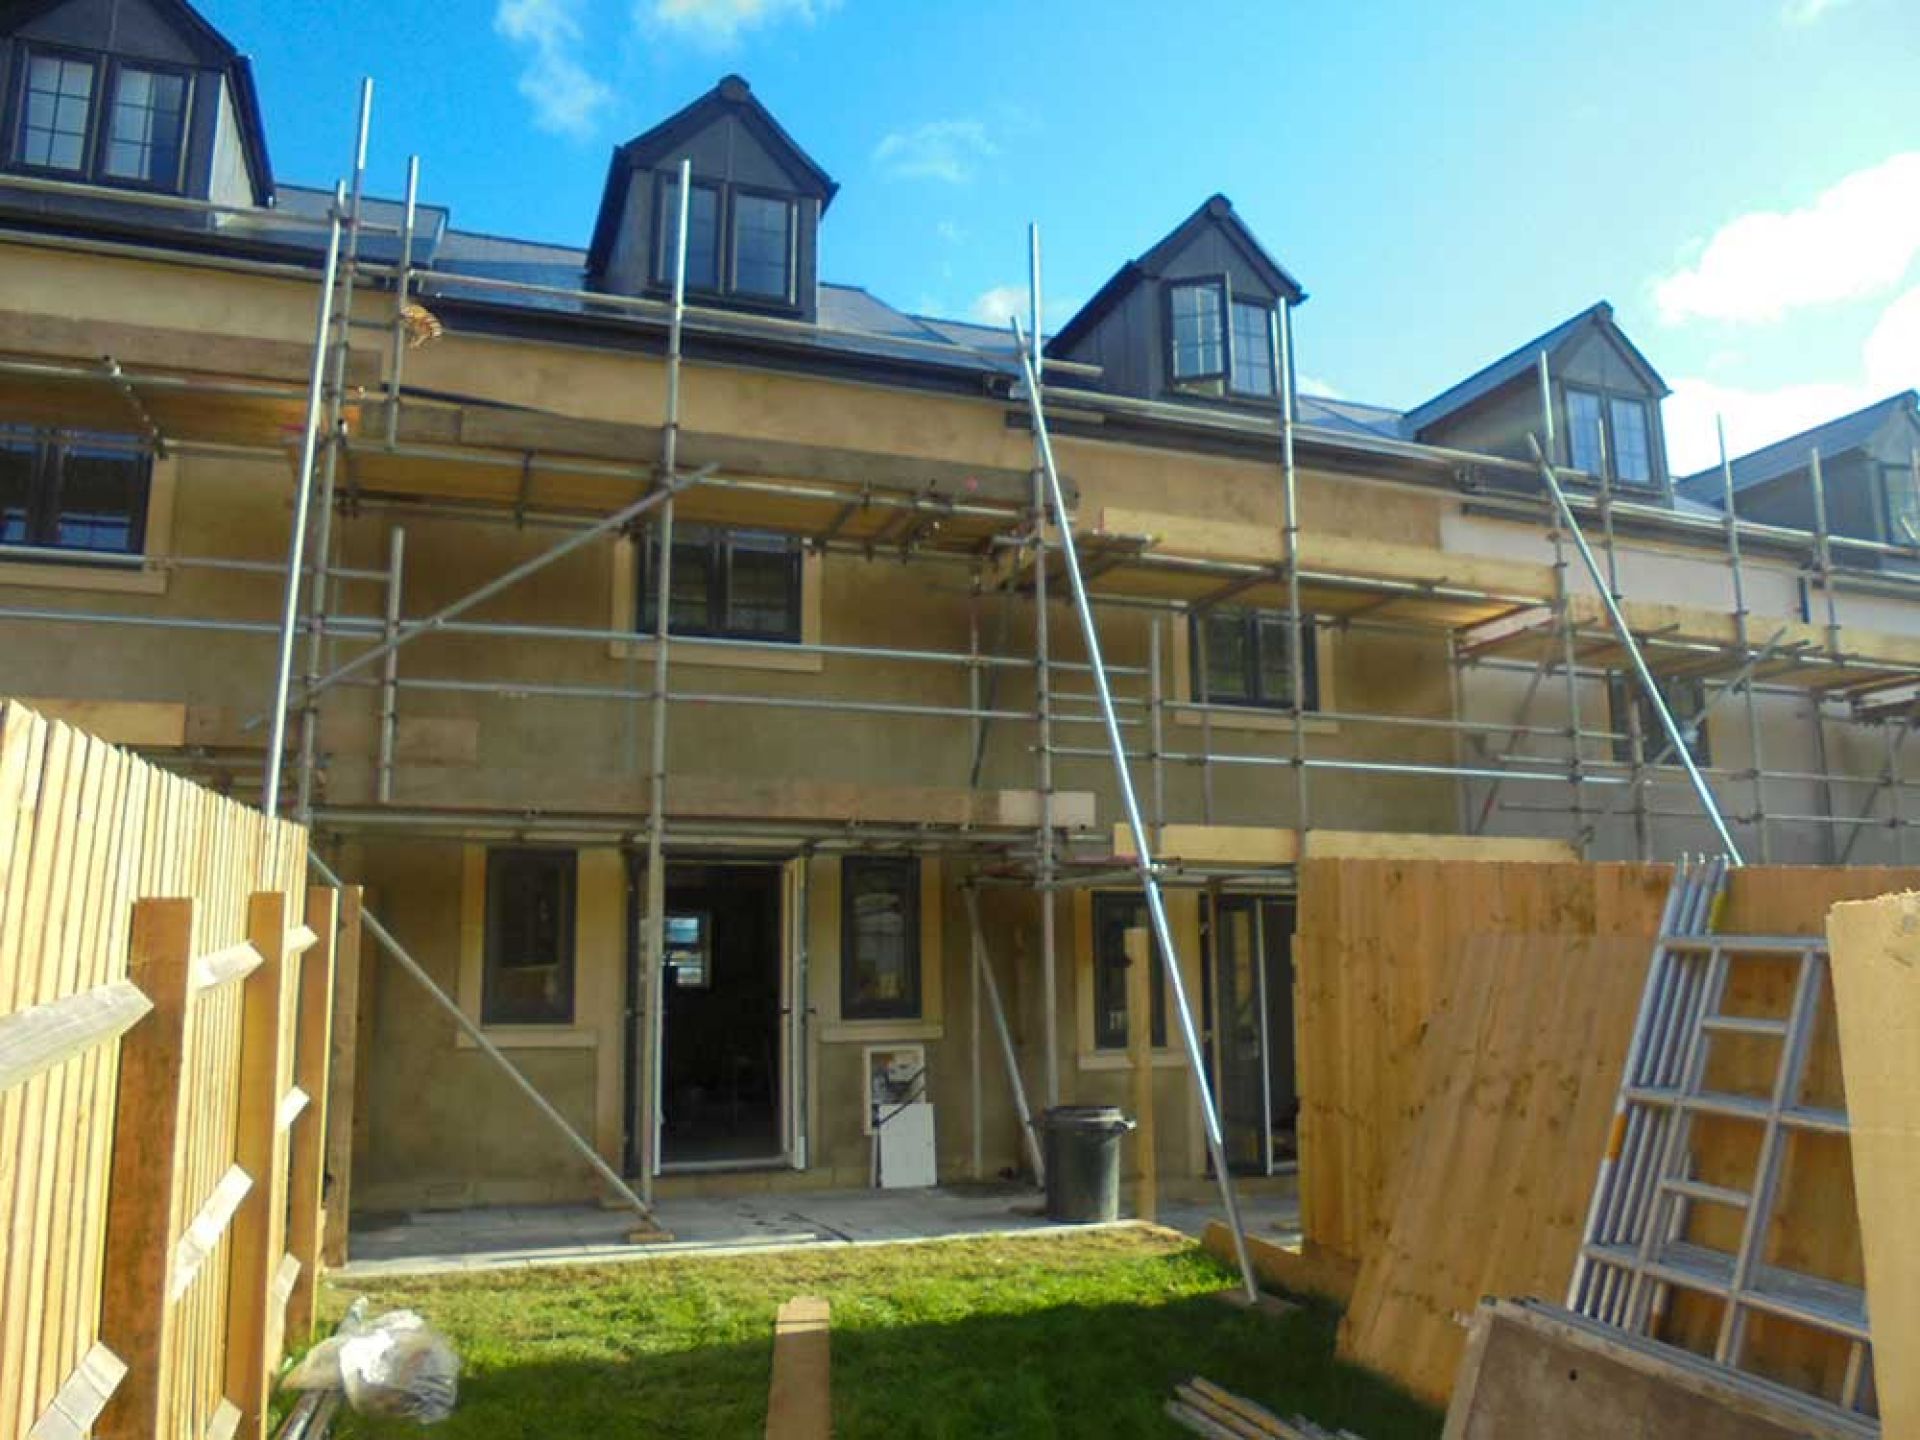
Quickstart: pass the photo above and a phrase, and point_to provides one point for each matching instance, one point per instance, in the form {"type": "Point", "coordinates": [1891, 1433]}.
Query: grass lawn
{"type": "Point", "coordinates": [1081, 1335]}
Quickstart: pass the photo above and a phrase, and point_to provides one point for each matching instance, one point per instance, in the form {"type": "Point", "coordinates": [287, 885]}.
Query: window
{"type": "Point", "coordinates": [1252, 349]}
{"type": "Point", "coordinates": [1686, 701]}
{"type": "Point", "coordinates": [730, 584]}
{"type": "Point", "coordinates": [1113, 916]}
{"type": "Point", "coordinates": [1584, 439]}
{"type": "Point", "coordinates": [762, 246]}
{"type": "Point", "coordinates": [529, 955]}
{"type": "Point", "coordinates": [1240, 657]}
{"type": "Point", "coordinates": [703, 234]}
{"type": "Point", "coordinates": [73, 491]}
{"type": "Point", "coordinates": [57, 117]}
{"type": "Point", "coordinates": [1199, 332]}
{"type": "Point", "coordinates": [1626, 444]}
{"type": "Point", "coordinates": [689, 950]}
{"type": "Point", "coordinates": [879, 938]}
{"type": "Point", "coordinates": [144, 126]}
{"type": "Point", "coordinates": [1901, 484]}
{"type": "Point", "coordinates": [1632, 447]}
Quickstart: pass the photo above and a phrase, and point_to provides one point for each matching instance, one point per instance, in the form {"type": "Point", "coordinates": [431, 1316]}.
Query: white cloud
{"type": "Point", "coordinates": [947, 150]}
{"type": "Point", "coordinates": [1807, 12]}
{"type": "Point", "coordinates": [951, 232]}
{"type": "Point", "coordinates": [566, 98]}
{"type": "Point", "coordinates": [1858, 238]}
{"type": "Point", "coordinates": [1891, 356]}
{"type": "Point", "coordinates": [720, 21]}
{"type": "Point", "coordinates": [1314, 385]}
{"type": "Point", "coordinates": [1000, 304]}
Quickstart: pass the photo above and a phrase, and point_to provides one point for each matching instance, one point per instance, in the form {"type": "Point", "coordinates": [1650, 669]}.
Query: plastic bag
{"type": "Point", "coordinates": [395, 1366]}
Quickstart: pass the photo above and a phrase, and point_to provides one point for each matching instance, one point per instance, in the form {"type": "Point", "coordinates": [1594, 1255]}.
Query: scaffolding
{"type": "Point", "coordinates": [371, 443]}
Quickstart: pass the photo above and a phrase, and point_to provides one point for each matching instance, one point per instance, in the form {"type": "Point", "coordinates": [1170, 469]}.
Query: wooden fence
{"type": "Point", "coordinates": [1462, 1030]}
{"type": "Point", "coordinates": [166, 983]}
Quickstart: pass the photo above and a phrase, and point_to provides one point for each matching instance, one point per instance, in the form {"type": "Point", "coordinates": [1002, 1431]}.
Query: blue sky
{"type": "Point", "coordinates": [1741, 178]}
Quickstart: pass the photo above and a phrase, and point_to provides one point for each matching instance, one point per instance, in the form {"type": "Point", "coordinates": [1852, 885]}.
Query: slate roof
{"type": "Point", "coordinates": [1516, 363]}
{"type": "Point", "coordinates": [1783, 457]}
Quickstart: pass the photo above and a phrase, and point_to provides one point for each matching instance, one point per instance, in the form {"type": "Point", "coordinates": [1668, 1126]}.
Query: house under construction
{"type": "Point", "coordinates": [693, 658]}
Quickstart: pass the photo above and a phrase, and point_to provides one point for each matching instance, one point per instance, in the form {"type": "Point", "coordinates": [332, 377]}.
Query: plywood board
{"type": "Point", "coordinates": [1876, 987]}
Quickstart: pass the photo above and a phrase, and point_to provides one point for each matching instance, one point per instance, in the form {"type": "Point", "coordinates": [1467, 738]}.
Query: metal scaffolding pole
{"type": "Point", "coordinates": [1143, 850]}
{"type": "Point", "coordinates": [1742, 633]}
{"type": "Point", "coordinates": [485, 1045]}
{"type": "Point", "coordinates": [1563, 614]}
{"type": "Point", "coordinates": [302, 496]}
{"type": "Point", "coordinates": [390, 667]}
{"type": "Point", "coordinates": [402, 289]}
{"type": "Point", "coordinates": [341, 348]}
{"type": "Point", "coordinates": [654, 952]}
{"type": "Point", "coordinates": [1298, 635]}
{"type": "Point", "coordinates": [1823, 567]}
{"type": "Point", "coordinates": [1043, 721]}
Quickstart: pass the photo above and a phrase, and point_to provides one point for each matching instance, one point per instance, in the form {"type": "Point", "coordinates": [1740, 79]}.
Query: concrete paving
{"type": "Point", "coordinates": [513, 1237]}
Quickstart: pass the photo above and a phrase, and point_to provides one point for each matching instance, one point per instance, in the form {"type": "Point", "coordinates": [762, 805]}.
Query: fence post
{"type": "Point", "coordinates": [260, 1150]}
{"type": "Point", "coordinates": [351, 993]}
{"type": "Point", "coordinates": [144, 1205]}
{"type": "Point", "coordinates": [307, 1176]}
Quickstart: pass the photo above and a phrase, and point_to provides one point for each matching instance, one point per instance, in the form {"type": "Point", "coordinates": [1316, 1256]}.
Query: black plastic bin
{"type": "Point", "coordinates": [1082, 1148]}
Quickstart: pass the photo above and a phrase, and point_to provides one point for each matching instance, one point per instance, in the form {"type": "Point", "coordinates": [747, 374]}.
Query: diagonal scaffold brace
{"type": "Point", "coordinates": [1144, 864]}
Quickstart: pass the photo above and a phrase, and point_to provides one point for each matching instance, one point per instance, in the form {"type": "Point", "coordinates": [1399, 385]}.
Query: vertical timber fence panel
{"type": "Point", "coordinates": [166, 985]}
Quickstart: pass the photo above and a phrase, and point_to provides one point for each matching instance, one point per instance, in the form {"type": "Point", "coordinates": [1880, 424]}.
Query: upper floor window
{"type": "Point", "coordinates": [1613, 428]}
{"type": "Point", "coordinates": [1901, 484]}
{"type": "Point", "coordinates": [73, 491]}
{"type": "Point", "coordinates": [762, 246]}
{"type": "Point", "coordinates": [879, 938]}
{"type": "Point", "coordinates": [1686, 701]}
{"type": "Point", "coordinates": [1241, 656]}
{"type": "Point", "coordinates": [101, 119]}
{"type": "Point", "coordinates": [732, 584]}
{"type": "Point", "coordinates": [1219, 344]}
{"type": "Point", "coordinates": [703, 234]}
{"type": "Point", "coordinates": [739, 242]}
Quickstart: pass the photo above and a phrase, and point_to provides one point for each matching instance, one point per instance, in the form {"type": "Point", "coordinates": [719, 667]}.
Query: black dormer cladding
{"type": "Point", "coordinates": [224, 153]}
{"type": "Point", "coordinates": [745, 167]}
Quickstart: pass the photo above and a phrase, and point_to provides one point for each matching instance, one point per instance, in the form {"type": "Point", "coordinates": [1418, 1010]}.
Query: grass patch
{"type": "Point", "coordinates": [1081, 1335]}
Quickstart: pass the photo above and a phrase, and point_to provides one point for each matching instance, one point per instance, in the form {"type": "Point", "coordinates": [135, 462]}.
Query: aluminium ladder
{"type": "Point", "coordinates": [1637, 1248]}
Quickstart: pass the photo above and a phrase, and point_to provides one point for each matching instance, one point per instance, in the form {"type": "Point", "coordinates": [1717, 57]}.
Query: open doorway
{"type": "Point", "coordinates": [1251, 1001]}
{"type": "Point", "coordinates": [720, 1090]}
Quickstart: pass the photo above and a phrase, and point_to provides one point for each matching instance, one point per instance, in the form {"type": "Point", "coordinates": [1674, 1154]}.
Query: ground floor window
{"type": "Point", "coordinates": [1113, 916]}
{"type": "Point", "coordinates": [528, 975]}
{"type": "Point", "coordinates": [73, 491]}
{"type": "Point", "coordinates": [879, 938]}
{"type": "Point", "coordinates": [1686, 700]}
{"type": "Point", "coordinates": [1241, 656]}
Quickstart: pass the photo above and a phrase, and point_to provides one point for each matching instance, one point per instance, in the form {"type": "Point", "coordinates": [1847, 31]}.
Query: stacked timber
{"type": "Point", "coordinates": [1202, 1408]}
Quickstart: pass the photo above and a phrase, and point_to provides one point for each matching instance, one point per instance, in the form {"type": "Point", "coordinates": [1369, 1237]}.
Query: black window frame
{"type": "Point", "coordinates": [1606, 399]}
{"type": "Point", "coordinates": [1900, 473]}
{"type": "Point", "coordinates": [660, 263]}
{"type": "Point", "coordinates": [1198, 382]}
{"type": "Point", "coordinates": [719, 543]}
{"type": "Point", "coordinates": [735, 193]}
{"type": "Point", "coordinates": [1653, 736]}
{"type": "Point", "coordinates": [1252, 617]}
{"type": "Point", "coordinates": [564, 867]}
{"type": "Point", "coordinates": [906, 871]}
{"type": "Point", "coordinates": [106, 81]}
{"type": "Point", "coordinates": [1271, 312]}
{"type": "Point", "coordinates": [1110, 922]}
{"type": "Point", "coordinates": [47, 479]}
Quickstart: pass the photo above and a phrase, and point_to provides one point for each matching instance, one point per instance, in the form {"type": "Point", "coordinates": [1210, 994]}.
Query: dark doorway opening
{"type": "Point", "coordinates": [1249, 973]}
{"type": "Point", "coordinates": [719, 1068]}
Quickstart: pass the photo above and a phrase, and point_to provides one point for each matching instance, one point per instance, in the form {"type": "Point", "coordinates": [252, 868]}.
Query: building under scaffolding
{"type": "Point", "coordinates": [698, 662]}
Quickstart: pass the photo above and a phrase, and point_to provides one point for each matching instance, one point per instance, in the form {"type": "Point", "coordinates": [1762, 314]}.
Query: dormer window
{"type": "Point", "coordinates": [1220, 345]}
{"type": "Point", "coordinates": [763, 246]}
{"type": "Point", "coordinates": [703, 234]}
{"type": "Point", "coordinates": [1611, 425]}
{"type": "Point", "coordinates": [136, 137]}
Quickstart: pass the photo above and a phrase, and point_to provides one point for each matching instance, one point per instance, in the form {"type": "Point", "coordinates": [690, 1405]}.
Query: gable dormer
{"type": "Point", "coordinates": [136, 95]}
{"type": "Point", "coordinates": [1190, 320]}
{"type": "Point", "coordinates": [1606, 402]}
{"type": "Point", "coordinates": [754, 209]}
